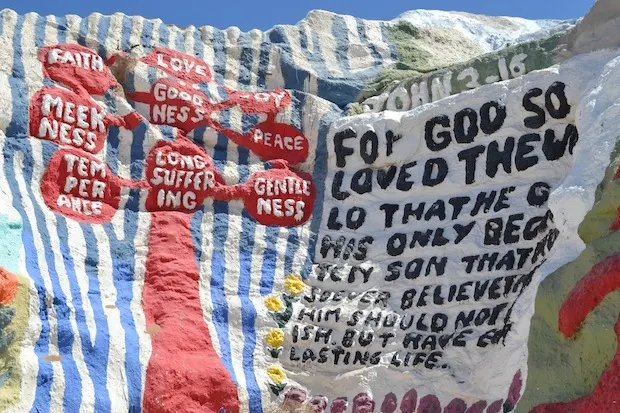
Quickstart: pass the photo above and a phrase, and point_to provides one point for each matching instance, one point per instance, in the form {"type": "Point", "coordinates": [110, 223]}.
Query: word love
{"type": "Point", "coordinates": [181, 176]}
{"type": "Point", "coordinates": [78, 67]}
{"type": "Point", "coordinates": [80, 186]}
{"type": "Point", "coordinates": [69, 119]}
{"type": "Point", "coordinates": [180, 65]}
{"type": "Point", "coordinates": [187, 107]}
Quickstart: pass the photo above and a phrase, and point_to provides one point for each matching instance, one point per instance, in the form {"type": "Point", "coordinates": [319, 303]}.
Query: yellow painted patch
{"type": "Point", "coordinates": [10, 393]}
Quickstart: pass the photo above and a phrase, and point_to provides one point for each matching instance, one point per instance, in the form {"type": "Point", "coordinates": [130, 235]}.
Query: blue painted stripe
{"type": "Point", "coordinates": [385, 33]}
{"type": "Point", "coordinates": [248, 312]}
{"type": "Point", "coordinates": [179, 41]}
{"type": "Point", "coordinates": [74, 388]}
{"type": "Point", "coordinates": [14, 139]}
{"type": "Point", "coordinates": [198, 133]}
{"type": "Point", "coordinates": [17, 130]}
{"type": "Point", "coordinates": [148, 29]}
{"type": "Point", "coordinates": [83, 33]}
{"type": "Point", "coordinates": [198, 136]}
{"type": "Point", "coordinates": [293, 75]}
{"type": "Point", "coordinates": [123, 255]}
{"type": "Point", "coordinates": [112, 144]}
{"type": "Point", "coordinates": [361, 31]}
{"type": "Point", "coordinates": [63, 313]}
{"type": "Point", "coordinates": [268, 269]}
{"type": "Point", "coordinates": [339, 91]}
{"type": "Point", "coordinates": [220, 229]}
{"type": "Point", "coordinates": [318, 178]}
{"type": "Point", "coordinates": [164, 35]}
{"type": "Point", "coordinates": [340, 33]}
{"type": "Point", "coordinates": [97, 360]}
{"type": "Point", "coordinates": [292, 243]}
{"type": "Point", "coordinates": [102, 34]}
{"type": "Point", "coordinates": [126, 27]}
{"type": "Point", "coordinates": [263, 62]}
{"type": "Point", "coordinates": [62, 29]}
{"type": "Point", "coordinates": [246, 249]}
{"type": "Point", "coordinates": [89, 350]}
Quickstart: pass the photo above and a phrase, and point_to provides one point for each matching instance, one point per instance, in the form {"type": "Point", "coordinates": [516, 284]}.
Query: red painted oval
{"type": "Point", "coordinates": [269, 102]}
{"type": "Point", "coordinates": [175, 104]}
{"type": "Point", "coordinates": [180, 176]}
{"type": "Point", "coordinates": [75, 65]}
{"type": "Point", "coordinates": [271, 140]}
{"type": "Point", "coordinates": [67, 119]}
{"type": "Point", "coordinates": [280, 197]}
{"type": "Point", "coordinates": [80, 186]}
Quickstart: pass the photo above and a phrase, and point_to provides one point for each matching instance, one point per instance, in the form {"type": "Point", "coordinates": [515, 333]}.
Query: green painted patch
{"type": "Point", "coordinates": [416, 65]}
{"type": "Point", "coordinates": [565, 369]}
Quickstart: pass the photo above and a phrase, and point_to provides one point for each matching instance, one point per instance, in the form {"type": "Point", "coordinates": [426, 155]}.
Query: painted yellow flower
{"type": "Point", "coordinates": [276, 374]}
{"type": "Point", "coordinates": [275, 338]}
{"type": "Point", "coordinates": [294, 284]}
{"type": "Point", "coordinates": [274, 303]}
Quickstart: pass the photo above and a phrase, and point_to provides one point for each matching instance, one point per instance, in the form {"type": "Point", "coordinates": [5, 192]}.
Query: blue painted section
{"type": "Point", "coordinates": [125, 34]}
{"type": "Point", "coordinates": [220, 231]}
{"type": "Point", "coordinates": [164, 35]}
{"type": "Point", "coordinates": [293, 75]}
{"type": "Point", "coordinates": [340, 34]}
{"type": "Point", "coordinates": [318, 177]}
{"type": "Point", "coordinates": [102, 34]}
{"type": "Point", "coordinates": [16, 132]}
{"type": "Point", "coordinates": [385, 33]}
{"type": "Point", "coordinates": [361, 31]}
{"type": "Point", "coordinates": [83, 33]}
{"type": "Point", "coordinates": [293, 241]}
{"type": "Point", "coordinates": [246, 247]}
{"type": "Point", "coordinates": [101, 349]}
{"type": "Point", "coordinates": [268, 269]}
{"type": "Point", "coordinates": [62, 29]}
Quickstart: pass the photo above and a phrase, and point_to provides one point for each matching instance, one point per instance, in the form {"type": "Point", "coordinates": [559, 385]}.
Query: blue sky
{"type": "Point", "coordinates": [263, 14]}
